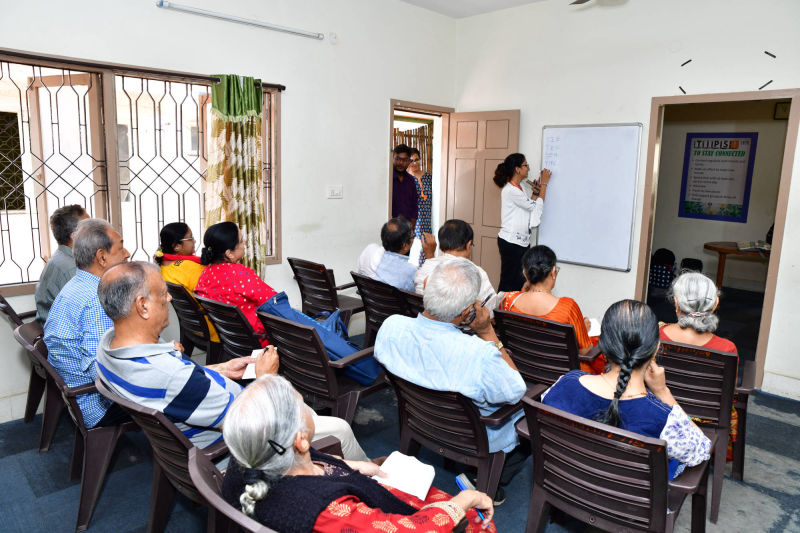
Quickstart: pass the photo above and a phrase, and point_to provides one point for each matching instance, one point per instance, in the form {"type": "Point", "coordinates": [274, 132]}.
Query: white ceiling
{"type": "Point", "coordinates": [467, 8]}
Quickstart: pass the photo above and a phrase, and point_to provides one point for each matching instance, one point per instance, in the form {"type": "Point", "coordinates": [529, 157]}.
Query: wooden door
{"type": "Point", "coordinates": [478, 142]}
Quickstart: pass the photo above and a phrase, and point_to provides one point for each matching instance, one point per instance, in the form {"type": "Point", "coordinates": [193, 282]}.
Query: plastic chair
{"type": "Point", "coordinates": [170, 462]}
{"type": "Point", "coordinates": [194, 324]}
{"type": "Point", "coordinates": [741, 397]}
{"type": "Point", "coordinates": [319, 291]}
{"type": "Point", "coordinates": [38, 380]}
{"type": "Point", "coordinates": [448, 423]}
{"type": "Point", "coordinates": [93, 448]}
{"type": "Point", "coordinates": [413, 302]}
{"type": "Point", "coordinates": [613, 479]}
{"type": "Point", "coordinates": [305, 363]}
{"type": "Point", "coordinates": [381, 301]}
{"type": "Point", "coordinates": [235, 332]}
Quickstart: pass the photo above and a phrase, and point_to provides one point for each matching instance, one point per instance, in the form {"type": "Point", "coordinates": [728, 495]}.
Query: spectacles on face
{"type": "Point", "coordinates": [557, 269]}
{"type": "Point", "coordinates": [414, 161]}
{"type": "Point", "coordinates": [188, 239]}
{"type": "Point", "coordinates": [526, 165]}
{"type": "Point", "coordinates": [402, 159]}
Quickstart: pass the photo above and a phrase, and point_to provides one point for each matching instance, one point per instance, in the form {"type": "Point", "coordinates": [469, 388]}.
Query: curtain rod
{"type": "Point", "coordinates": [233, 18]}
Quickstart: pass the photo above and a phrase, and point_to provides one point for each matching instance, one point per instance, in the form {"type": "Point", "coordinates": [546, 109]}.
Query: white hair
{"type": "Point", "coordinates": [696, 296]}
{"type": "Point", "coordinates": [264, 418]}
{"type": "Point", "coordinates": [91, 235]}
{"type": "Point", "coordinates": [452, 286]}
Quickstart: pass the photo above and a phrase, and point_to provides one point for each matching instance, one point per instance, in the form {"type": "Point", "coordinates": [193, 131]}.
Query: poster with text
{"type": "Point", "coordinates": [717, 173]}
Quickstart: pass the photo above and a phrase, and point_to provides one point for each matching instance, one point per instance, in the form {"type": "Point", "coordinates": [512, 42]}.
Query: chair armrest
{"type": "Point", "coordinates": [216, 450]}
{"type": "Point", "coordinates": [591, 355]}
{"type": "Point", "coordinates": [522, 429]}
{"type": "Point", "coordinates": [345, 286]}
{"type": "Point", "coordinates": [352, 358]}
{"type": "Point", "coordinates": [330, 445]}
{"type": "Point", "coordinates": [81, 389]}
{"type": "Point", "coordinates": [535, 391]}
{"type": "Point", "coordinates": [27, 314]}
{"type": "Point", "coordinates": [748, 385]}
{"type": "Point", "coordinates": [502, 415]}
{"type": "Point", "coordinates": [692, 476]}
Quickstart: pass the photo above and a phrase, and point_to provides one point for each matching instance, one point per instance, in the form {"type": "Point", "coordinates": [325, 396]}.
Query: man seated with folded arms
{"type": "Point", "coordinates": [77, 321]}
{"type": "Point", "coordinates": [137, 364]}
{"type": "Point", "coordinates": [393, 268]}
{"type": "Point", "coordinates": [432, 352]}
{"type": "Point", "coordinates": [455, 240]}
{"type": "Point", "coordinates": [61, 266]}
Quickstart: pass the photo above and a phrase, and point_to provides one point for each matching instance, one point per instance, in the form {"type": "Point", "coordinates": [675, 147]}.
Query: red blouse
{"type": "Point", "coordinates": [716, 343]}
{"type": "Point", "coordinates": [238, 285]}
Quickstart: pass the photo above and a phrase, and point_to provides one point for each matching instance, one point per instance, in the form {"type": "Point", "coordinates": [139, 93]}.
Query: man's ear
{"type": "Point", "coordinates": [100, 257]}
{"type": "Point", "coordinates": [142, 306]}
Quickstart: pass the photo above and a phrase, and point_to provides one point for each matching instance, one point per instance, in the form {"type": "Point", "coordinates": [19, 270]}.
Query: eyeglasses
{"type": "Point", "coordinates": [526, 165]}
{"type": "Point", "coordinates": [557, 269]}
{"type": "Point", "coordinates": [402, 159]}
{"type": "Point", "coordinates": [189, 239]}
{"type": "Point", "coordinates": [415, 161]}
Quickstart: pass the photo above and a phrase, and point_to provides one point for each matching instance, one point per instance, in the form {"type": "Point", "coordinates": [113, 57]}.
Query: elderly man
{"type": "Point", "coordinates": [432, 352]}
{"type": "Point", "coordinates": [455, 240]}
{"type": "Point", "coordinates": [391, 265]}
{"type": "Point", "coordinates": [138, 365]}
{"type": "Point", "coordinates": [61, 266]}
{"type": "Point", "coordinates": [77, 321]}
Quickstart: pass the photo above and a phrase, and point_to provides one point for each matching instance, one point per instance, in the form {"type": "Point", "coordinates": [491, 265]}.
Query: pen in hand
{"type": "Point", "coordinates": [462, 487]}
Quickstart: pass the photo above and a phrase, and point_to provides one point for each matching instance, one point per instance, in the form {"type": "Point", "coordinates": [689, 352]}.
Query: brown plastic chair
{"type": "Point", "coordinates": [194, 324]}
{"type": "Point", "coordinates": [93, 448]}
{"type": "Point", "coordinates": [702, 381]}
{"type": "Point", "coordinates": [740, 398]}
{"type": "Point", "coordinates": [319, 291]}
{"type": "Point", "coordinates": [305, 363]}
{"type": "Point", "coordinates": [448, 423]}
{"type": "Point", "coordinates": [170, 462]}
{"type": "Point", "coordinates": [38, 380]}
{"type": "Point", "coordinates": [413, 302]}
{"type": "Point", "coordinates": [381, 301]}
{"type": "Point", "coordinates": [613, 479]}
{"type": "Point", "coordinates": [208, 482]}
{"type": "Point", "coordinates": [235, 332]}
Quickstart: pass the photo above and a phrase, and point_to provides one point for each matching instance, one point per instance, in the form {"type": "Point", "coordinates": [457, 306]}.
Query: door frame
{"type": "Point", "coordinates": [444, 113]}
{"type": "Point", "coordinates": [651, 188]}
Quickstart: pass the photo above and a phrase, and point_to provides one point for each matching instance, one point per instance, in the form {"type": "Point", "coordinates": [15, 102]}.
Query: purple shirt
{"type": "Point", "coordinates": [404, 196]}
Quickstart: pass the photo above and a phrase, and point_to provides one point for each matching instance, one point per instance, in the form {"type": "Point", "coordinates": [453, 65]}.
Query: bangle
{"type": "Point", "coordinates": [453, 510]}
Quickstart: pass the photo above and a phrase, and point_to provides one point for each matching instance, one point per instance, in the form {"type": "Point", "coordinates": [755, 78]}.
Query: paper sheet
{"type": "Point", "coordinates": [408, 474]}
{"type": "Point", "coordinates": [250, 370]}
{"type": "Point", "coordinates": [594, 331]}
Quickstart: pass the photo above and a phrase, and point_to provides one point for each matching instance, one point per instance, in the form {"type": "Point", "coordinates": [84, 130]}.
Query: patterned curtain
{"type": "Point", "coordinates": [235, 191]}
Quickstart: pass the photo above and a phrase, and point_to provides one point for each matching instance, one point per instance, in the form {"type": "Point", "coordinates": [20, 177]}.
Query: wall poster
{"type": "Point", "coordinates": [717, 173]}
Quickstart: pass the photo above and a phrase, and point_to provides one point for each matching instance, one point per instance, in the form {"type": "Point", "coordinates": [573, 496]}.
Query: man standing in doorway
{"type": "Point", "coordinates": [404, 188]}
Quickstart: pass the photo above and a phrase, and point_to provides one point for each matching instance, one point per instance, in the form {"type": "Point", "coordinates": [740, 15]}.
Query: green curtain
{"type": "Point", "coordinates": [235, 191]}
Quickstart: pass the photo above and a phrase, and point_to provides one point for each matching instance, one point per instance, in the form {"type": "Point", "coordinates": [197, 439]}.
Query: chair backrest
{"type": "Point", "coordinates": [317, 286]}
{"type": "Point", "coordinates": [381, 300]}
{"type": "Point", "coordinates": [191, 316]}
{"type": "Point", "coordinates": [413, 302]}
{"type": "Point", "coordinates": [235, 332]}
{"type": "Point", "coordinates": [303, 357]}
{"type": "Point", "coordinates": [12, 315]}
{"type": "Point", "coordinates": [170, 446]}
{"type": "Point", "coordinates": [208, 481]}
{"type": "Point", "coordinates": [441, 419]}
{"type": "Point", "coordinates": [543, 350]}
{"type": "Point", "coordinates": [701, 380]}
{"type": "Point", "coordinates": [30, 337]}
{"type": "Point", "coordinates": [615, 479]}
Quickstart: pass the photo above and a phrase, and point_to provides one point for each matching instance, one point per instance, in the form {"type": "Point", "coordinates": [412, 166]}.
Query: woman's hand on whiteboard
{"type": "Point", "coordinates": [544, 176]}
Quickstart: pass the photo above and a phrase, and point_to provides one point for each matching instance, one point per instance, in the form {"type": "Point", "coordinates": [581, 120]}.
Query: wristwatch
{"type": "Point", "coordinates": [498, 345]}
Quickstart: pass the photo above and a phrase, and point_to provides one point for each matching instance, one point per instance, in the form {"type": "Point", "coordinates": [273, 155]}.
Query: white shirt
{"type": "Point", "coordinates": [519, 214]}
{"type": "Point", "coordinates": [369, 260]}
{"type": "Point", "coordinates": [486, 286]}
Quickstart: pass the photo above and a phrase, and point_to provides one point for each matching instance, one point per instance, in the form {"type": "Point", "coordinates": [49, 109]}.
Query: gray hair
{"type": "Point", "coordinates": [90, 236]}
{"type": "Point", "coordinates": [263, 419]}
{"type": "Point", "coordinates": [118, 293]}
{"type": "Point", "coordinates": [696, 295]}
{"type": "Point", "coordinates": [452, 286]}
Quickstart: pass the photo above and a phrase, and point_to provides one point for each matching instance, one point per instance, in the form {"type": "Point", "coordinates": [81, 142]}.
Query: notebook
{"type": "Point", "coordinates": [408, 474]}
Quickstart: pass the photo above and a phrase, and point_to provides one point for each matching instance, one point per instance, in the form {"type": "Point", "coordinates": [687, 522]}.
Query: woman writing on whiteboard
{"type": "Point", "coordinates": [519, 214]}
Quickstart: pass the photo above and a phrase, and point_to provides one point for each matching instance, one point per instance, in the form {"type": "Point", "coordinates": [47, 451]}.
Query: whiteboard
{"type": "Point", "coordinates": [590, 200]}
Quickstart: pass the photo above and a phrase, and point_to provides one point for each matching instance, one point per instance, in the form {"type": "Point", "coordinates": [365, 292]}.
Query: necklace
{"type": "Point", "coordinates": [624, 396]}
{"type": "Point", "coordinates": [539, 290]}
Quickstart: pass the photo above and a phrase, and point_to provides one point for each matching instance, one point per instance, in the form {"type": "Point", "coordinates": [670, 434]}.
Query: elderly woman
{"type": "Point", "coordinates": [279, 480]}
{"type": "Point", "coordinates": [633, 394]}
{"type": "Point", "coordinates": [536, 299]}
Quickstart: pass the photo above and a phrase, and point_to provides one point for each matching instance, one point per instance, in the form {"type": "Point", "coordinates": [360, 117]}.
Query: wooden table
{"type": "Point", "coordinates": [725, 248]}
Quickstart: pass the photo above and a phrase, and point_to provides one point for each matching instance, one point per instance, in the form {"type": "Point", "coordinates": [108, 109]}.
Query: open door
{"type": "Point", "coordinates": [478, 142]}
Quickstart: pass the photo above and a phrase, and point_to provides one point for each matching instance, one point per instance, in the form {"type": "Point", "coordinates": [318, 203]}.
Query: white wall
{"type": "Point", "coordinates": [685, 236]}
{"type": "Point", "coordinates": [602, 63]}
{"type": "Point", "coordinates": [335, 111]}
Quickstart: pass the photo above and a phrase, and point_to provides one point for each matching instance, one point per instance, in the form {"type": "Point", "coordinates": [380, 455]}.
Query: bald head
{"type": "Point", "coordinates": [397, 235]}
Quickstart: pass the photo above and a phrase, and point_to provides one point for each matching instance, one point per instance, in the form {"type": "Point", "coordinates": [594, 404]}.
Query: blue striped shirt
{"type": "Point", "coordinates": [72, 332]}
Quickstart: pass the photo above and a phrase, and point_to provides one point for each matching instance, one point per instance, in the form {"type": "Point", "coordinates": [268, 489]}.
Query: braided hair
{"type": "Point", "coordinates": [537, 263]}
{"type": "Point", "coordinates": [628, 338]}
{"type": "Point", "coordinates": [505, 170]}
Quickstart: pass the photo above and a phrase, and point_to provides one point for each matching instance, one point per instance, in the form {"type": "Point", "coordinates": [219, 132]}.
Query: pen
{"type": "Point", "coordinates": [486, 300]}
{"type": "Point", "coordinates": [462, 487]}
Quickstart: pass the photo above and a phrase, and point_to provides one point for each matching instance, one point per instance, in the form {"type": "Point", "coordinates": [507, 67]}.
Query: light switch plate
{"type": "Point", "coordinates": [335, 192]}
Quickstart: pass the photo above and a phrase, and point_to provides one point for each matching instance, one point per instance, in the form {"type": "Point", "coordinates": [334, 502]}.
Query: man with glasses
{"type": "Point", "coordinates": [404, 188]}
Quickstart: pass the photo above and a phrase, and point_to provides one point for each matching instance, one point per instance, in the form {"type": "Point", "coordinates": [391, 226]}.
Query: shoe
{"type": "Point", "coordinates": [469, 481]}
{"type": "Point", "coordinates": [499, 497]}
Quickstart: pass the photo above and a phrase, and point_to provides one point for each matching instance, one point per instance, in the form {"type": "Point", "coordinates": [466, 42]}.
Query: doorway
{"type": "Point", "coordinates": [668, 223]}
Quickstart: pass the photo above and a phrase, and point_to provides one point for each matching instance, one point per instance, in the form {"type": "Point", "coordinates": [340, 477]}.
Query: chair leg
{"type": "Point", "coordinates": [214, 353]}
{"type": "Point", "coordinates": [489, 473]}
{"type": "Point", "coordinates": [538, 512]}
{"type": "Point", "coordinates": [719, 473]}
{"type": "Point", "coordinates": [738, 446]}
{"type": "Point", "coordinates": [100, 445]}
{"type": "Point", "coordinates": [188, 345]}
{"type": "Point", "coordinates": [345, 315]}
{"type": "Point", "coordinates": [161, 499]}
{"type": "Point", "coordinates": [78, 451]}
{"type": "Point", "coordinates": [36, 386]}
{"type": "Point", "coordinates": [53, 407]}
{"type": "Point", "coordinates": [346, 406]}
{"type": "Point", "coordinates": [369, 336]}
{"type": "Point", "coordinates": [408, 445]}
{"type": "Point", "coordinates": [699, 505]}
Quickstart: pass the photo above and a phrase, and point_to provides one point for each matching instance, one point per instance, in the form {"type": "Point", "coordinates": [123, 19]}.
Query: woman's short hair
{"type": "Point", "coordinates": [259, 430]}
{"type": "Point", "coordinates": [505, 170]}
{"type": "Point", "coordinates": [64, 220]}
{"type": "Point", "coordinates": [537, 263]}
{"type": "Point", "coordinates": [628, 338]}
{"type": "Point", "coordinates": [413, 151]}
{"type": "Point", "coordinates": [218, 239]}
{"type": "Point", "coordinates": [696, 296]}
{"type": "Point", "coordinates": [396, 233]}
{"type": "Point", "coordinates": [171, 235]}
{"type": "Point", "coordinates": [90, 235]}
{"type": "Point", "coordinates": [455, 234]}
{"type": "Point", "coordinates": [452, 286]}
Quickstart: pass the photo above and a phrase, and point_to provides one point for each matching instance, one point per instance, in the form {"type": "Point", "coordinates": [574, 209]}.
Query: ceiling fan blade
{"type": "Point", "coordinates": [578, 2]}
